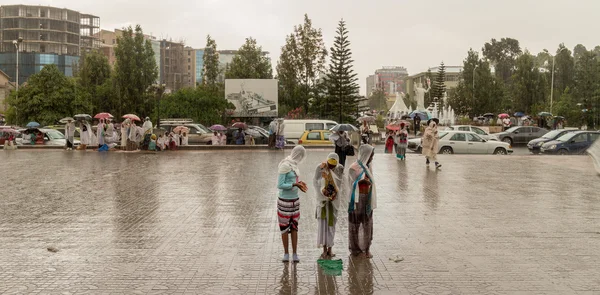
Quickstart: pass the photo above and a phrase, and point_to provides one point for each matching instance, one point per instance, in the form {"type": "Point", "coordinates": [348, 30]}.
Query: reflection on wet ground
{"type": "Point", "coordinates": [205, 223]}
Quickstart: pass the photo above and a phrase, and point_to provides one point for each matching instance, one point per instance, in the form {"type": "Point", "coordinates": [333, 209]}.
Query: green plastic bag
{"type": "Point", "coordinates": [331, 267]}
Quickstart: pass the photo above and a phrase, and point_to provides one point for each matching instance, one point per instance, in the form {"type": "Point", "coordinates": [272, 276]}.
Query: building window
{"type": "Point", "coordinates": [189, 55]}
{"type": "Point", "coordinates": [113, 40]}
{"type": "Point", "coordinates": [189, 60]}
{"type": "Point", "coordinates": [189, 68]}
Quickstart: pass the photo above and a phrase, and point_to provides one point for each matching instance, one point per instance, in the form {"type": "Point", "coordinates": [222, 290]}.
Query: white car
{"type": "Point", "coordinates": [475, 129]}
{"type": "Point", "coordinates": [464, 142]}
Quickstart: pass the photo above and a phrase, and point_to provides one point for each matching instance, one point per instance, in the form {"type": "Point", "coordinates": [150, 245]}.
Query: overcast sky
{"type": "Point", "coordinates": [413, 34]}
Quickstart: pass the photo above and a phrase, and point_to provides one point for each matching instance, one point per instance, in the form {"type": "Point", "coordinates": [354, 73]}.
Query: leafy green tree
{"type": "Point", "coordinates": [211, 71]}
{"type": "Point", "coordinates": [340, 81]}
{"type": "Point", "coordinates": [378, 100]}
{"type": "Point", "coordinates": [564, 69]}
{"type": "Point", "coordinates": [502, 55]}
{"type": "Point", "coordinates": [204, 104]}
{"type": "Point", "coordinates": [439, 85]}
{"type": "Point", "coordinates": [478, 91]}
{"type": "Point", "coordinates": [249, 63]}
{"type": "Point", "coordinates": [135, 71]}
{"type": "Point", "coordinates": [529, 87]}
{"type": "Point", "coordinates": [300, 66]}
{"type": "Point", "coordinates": [578, 52]}
{"type": "Point", "coordinates": [47, 97]}
{"type": "Point", "coordinates": [95, 77]}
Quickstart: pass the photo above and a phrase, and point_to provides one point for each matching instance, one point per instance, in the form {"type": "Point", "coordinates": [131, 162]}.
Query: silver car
{"type": "Point", "coordinates": [51, 137]}
{"type": "Point", "coordinates": [464, 142]}
{"type": "Point", "coordinates": [475, 129]}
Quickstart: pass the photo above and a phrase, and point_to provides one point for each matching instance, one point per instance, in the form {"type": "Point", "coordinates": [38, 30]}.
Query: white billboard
{"type": "Point", "coordinates": [252, 97]}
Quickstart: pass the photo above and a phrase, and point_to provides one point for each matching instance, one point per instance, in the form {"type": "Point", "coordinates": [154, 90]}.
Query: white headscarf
{"type": "Point", "coordinates": [291, 162]}
{"type": "Point", "coordinates": [364, 154]}
{"type": "Point", "coordinates": [319, 183]}
{"type": "Point", "coordinates": [147, 126]}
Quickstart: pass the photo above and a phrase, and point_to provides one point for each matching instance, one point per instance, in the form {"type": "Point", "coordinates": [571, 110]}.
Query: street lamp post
{"type": "Point", "coordinates": [473, 93]}
{"type": "Point", "coordinates": [17, 44]}
{"type": "Point", "coordinates": [552, 81]}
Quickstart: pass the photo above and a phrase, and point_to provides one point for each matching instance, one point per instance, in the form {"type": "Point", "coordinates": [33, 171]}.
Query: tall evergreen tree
{"type": "Point", "coordinates": [210, 72]}
{"type": "Point", "coordinates": [342, 89]}
{"type": "Point", "coordinates": [439, 86]}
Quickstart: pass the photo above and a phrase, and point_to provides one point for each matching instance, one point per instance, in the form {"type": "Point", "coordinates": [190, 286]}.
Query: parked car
{"type": "Point", "coordinates": [260, 135]}
{"type": "Point", "coordinates": [535, 145]}
{"type": "Point", "coordinates": [572, 143]}
{"type": "Point", "coordinates": [475, 129]}
{"type": "Point", "coordinates": [198, 133]}
{"type": "Point", "coordinates": [61, 128]}
{"type": "Point", "coordinates": [51, 137]}
{"type": "Point", "coordinates": [521, 134]}
{"type": "Point", "coordinates": [315, 137]}
{"type": "Point", "coordinates": [464, 142]}
{"type": "Point", "coordinates": [295, 128]}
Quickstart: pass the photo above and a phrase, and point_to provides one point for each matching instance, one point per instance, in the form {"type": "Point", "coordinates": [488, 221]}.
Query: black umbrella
{"type": "Point", "coordinates": [83, 117]}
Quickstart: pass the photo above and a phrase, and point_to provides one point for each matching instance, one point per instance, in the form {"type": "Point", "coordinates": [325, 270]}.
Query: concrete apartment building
{"type": "Point", "coordinates": [48, 35]}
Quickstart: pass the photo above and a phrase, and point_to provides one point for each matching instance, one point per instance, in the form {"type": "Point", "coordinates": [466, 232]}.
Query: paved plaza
{"type": "Point", "coordinates": [205, 223]}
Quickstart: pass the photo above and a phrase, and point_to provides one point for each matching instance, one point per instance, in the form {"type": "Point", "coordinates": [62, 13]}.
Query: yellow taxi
{"type": "Point", "coordinates": [315, 137]}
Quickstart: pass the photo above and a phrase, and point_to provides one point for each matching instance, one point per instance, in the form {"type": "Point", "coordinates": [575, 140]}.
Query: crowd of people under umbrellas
{"type": "Point", "coordinates": [128, 136]}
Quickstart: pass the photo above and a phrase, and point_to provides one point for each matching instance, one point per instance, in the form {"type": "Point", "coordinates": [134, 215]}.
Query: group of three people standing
{"type": "Point", "coordinates": [333, 187]}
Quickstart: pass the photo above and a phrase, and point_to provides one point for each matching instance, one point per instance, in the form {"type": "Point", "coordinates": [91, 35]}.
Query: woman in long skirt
{"type": "Point", "coordinates": [288, 203]}
{"type": "Point", "coordinates": [430, 143]}
{"type": "Point", "coordinates": [401, 142]}
{"type": "Point", "coordinates": [363, 200]}
{"type": "Point", "coordinates": [328, 185]}
{"type": "Point", "coordinates": [389, 143]}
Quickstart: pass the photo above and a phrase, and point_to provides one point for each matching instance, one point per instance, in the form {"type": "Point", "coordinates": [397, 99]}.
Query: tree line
{"type": "Point", "coordinates": [306, 86]}
{"type": "Point", "coordinates": [506, 78]}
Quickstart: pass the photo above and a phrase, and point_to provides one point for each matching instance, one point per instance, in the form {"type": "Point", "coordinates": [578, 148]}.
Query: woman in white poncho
{"type": "Point", "coordinates": [362, 200]}
{"type": "Point", "coordinates": [124, 132]}
{"type": "Point", "coordinates": [328, 188]}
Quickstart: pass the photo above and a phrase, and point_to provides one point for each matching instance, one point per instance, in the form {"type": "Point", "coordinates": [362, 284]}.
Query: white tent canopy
{"type": "Point", "coordinates": [399, 108]}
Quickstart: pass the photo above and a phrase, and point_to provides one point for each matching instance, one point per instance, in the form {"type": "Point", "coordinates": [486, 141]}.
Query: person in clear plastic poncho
{"type": "Point", "coordinates": [328, 189]}
{"type": "Point", "coordinates": [362, 200]}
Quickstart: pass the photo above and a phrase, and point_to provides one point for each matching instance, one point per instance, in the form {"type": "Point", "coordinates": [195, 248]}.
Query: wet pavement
{"type": "Point", "coordinates": [205, 223]}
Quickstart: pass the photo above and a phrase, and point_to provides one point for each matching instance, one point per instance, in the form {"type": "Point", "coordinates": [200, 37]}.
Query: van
{"type": "Point", "coordinates": [294, 129]}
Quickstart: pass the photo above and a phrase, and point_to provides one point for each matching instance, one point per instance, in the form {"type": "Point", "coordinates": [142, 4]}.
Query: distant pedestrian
{"type": "Point", "coordinates": [240, 137]}
{"type": "Point", "coordinates": [184, 138]}
{"type": "Point", "coordinates": [328, 188]}
{"type": "Point", "coordinates": [402, 142]}
{"type": "Point", "coordinates": [362, 198]}
{"type": "Point", "coordinates": [222, 138]}
{"type": "Point", "coordinates": [341, 141]}
{"type": "Point", "coordinates": [125, 125]}
{"type": "Point", "coordinates": [70, 133]}
{"type": "Point", "coordinates": [288, 203]}
{"type": "Point", "coordinates": [100, 133]}
{"type": "Point", "coordinates": [215, 140]}
{"type": "Point", "coordinates": [272, 134]}
{"type": "Point", "coordinates": [389, 142]}
{"type": "Point", "coordinates": [417, 124]}
{"type": "Point", "coordinates": [430, 144]}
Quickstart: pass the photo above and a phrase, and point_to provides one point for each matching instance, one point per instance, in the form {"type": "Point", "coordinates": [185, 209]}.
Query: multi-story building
{"type": "Point", "coordinates": [370, 85]}
{"type": "Point", "coordinates": [199, 65]}
{"type": "Point", "coordinates": [391, 79]}
{"type": "Point", "coordinates": [190, 67]}
{"type": "Point", "coordinates": [173, 72]}
{"type": "Point", "coordinates": [5, 88]}
{"type": "Point", "coordinates": [49, 36]}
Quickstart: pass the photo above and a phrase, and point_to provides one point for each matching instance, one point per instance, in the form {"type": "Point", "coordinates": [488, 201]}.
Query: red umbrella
{"type": "Point", "coordinates": [132, 117]}
{"type": "Point", "coordinates": [502, 116]}
{"type": "Point", "coordinates": [393, 127]}
{"type": "Point", "coordinates": [103, 116]}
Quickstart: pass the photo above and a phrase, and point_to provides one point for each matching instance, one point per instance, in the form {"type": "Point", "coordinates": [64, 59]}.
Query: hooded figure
{"type": "Point", "coordinates": [124, 132]}
{"type": "Point", "coordinates": [288, 204]}
{"type": "Point", "coordinates": [146, 133]}
{"type": "Point", "coordinates": [109, 135]}
{"type": "Point", "coordinates": [328, 188]}
{"type": "Point", "coordinates": [362, 200]}
{"type": "Point", "coordinates": [341, 140]}
{"type": "Point", "coordinates": [430, 143]}
{"type": "Point", "coordinates": [87, 135]}
{"type": "Point", "coordinates": [100, 132]}
{"type": "Point", "coordinates": [70, 133]}
{"type": "Point", "coordinates": [147, 126]}
{"type": "Point", "coordinates": [132, 137]}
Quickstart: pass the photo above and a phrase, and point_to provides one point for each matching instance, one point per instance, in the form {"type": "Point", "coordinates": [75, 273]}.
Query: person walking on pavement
{"type": "Point", "coordinates": [288, 203]}
{"type": "Point", "coordinates": [70, 133]}
{"type": "Point", "coordinates": [402, 142]}
{"type": "Point", "coordinates": [341, 141]}
{"type": "Point", "coordinates": [417, 124]}
{"type": "Point", "coordinates": [431, 144]}
{"type": "Point", "coordinates": [362, 196]}
{"type": "Point", "coordinates": [328, 184]}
